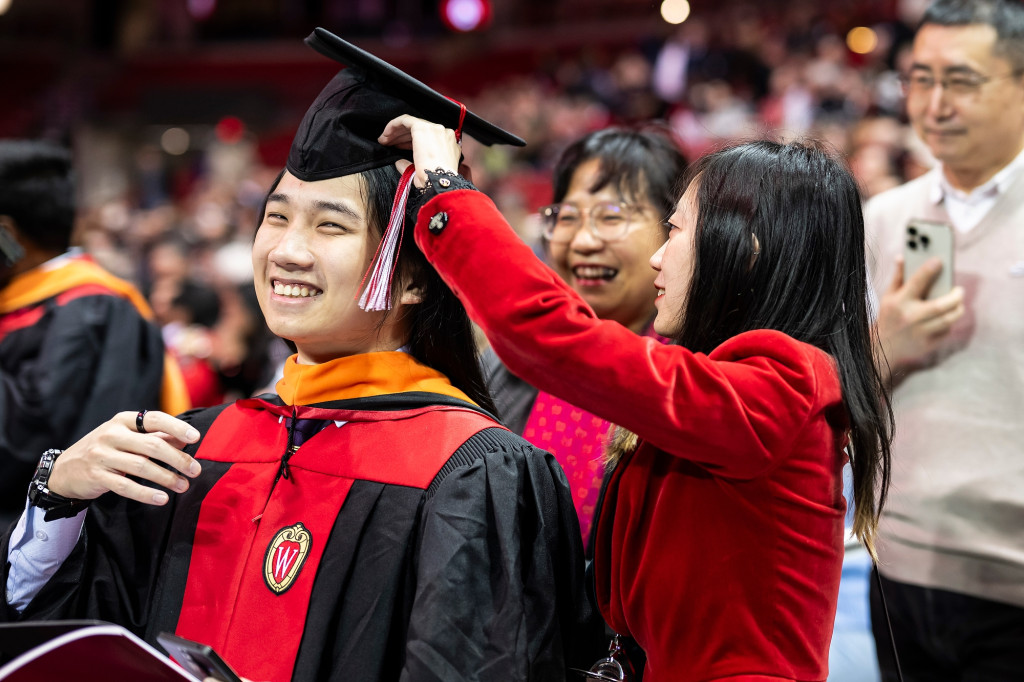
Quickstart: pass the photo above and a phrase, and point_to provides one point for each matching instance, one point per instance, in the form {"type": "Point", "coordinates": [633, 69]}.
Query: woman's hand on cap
{"type": "Point", "coordinates": [433, 146]}
{"type": "Point", "coordinates": [104, 458]}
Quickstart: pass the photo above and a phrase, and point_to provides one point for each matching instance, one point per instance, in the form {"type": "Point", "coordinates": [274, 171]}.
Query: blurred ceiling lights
{"type": "Point", "coordinates": [201, 9]}
{"type": "Point", "coordinates": [230, 129]}
{"type": "Point", "coordinates": [675, 11]}
{"type": "Point", "coordinates": [862, 40]}
{"type": "Point", "coordinates": [175, 141]}
{"type": "Point", "coordinates": [465, 15]}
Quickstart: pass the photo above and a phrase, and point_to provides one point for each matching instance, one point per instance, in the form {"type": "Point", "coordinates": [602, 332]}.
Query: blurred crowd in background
{"type": "Point", "coordinates": [180, 225]}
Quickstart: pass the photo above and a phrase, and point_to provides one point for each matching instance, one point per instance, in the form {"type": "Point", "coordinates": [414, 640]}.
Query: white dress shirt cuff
{"type": "Point", "coordinates": [37, 550]}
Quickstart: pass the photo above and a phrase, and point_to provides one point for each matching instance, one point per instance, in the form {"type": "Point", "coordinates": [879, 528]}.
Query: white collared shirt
{"type": "Point", "coordinates": [967, 209]}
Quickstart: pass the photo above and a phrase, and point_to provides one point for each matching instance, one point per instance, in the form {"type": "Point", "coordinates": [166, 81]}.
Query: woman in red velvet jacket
{"type": "Point", "coordinates": [720, 542]}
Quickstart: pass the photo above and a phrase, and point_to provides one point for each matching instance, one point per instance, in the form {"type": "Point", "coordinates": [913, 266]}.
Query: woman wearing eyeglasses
{"type": "Point", "coordinates": [719, 545]}
{"type": "Point", "coordinates": [613, 190]}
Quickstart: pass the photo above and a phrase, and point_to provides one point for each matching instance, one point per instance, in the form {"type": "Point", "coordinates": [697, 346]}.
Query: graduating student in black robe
{"type": "Point", "coordinates": [371, 521]}
{"type": "Point", "coordinates": [77, 344]}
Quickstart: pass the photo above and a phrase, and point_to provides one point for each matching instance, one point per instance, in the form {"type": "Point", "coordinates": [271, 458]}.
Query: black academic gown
{"type": "Point", "coordinates": [76, 346]}
{"type": "Point", "coordinates": [468, 568]}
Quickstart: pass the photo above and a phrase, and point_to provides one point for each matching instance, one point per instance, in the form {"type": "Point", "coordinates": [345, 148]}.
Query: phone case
{"type": "Point", "coordinates": [925, 240]}
{"type": "Point", "coordinates": [199, 659]}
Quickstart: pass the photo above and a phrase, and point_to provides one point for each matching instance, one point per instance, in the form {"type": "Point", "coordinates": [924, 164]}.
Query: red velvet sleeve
{"type": "Point", "coordinates": [736, 411]}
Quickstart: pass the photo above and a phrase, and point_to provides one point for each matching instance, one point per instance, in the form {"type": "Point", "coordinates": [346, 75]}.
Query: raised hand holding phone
{"type": "Point", "coordinates": [925, 242]}
{"type": "Point", "coordinates": [921, 305]}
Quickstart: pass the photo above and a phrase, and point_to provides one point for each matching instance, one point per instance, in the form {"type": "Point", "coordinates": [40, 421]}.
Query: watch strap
{"type": "Point", "coordinates": [39, 494]}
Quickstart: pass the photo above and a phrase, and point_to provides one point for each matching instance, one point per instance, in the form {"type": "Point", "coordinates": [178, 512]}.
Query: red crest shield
{"type": "Point", "coordinates": [286, 553]}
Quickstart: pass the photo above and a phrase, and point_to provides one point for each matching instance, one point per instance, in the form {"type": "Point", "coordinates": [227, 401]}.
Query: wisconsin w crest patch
{"type": "Point", "coordinates": [286, 553]}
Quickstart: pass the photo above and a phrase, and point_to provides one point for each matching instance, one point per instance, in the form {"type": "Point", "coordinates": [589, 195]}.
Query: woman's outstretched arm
{"type": "Point", "coordinates": [753, 393]}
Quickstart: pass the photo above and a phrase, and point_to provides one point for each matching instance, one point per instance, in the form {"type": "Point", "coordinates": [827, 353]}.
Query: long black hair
{"type": "Point", "coordinates": [809, 281]}
{"type": "Point", "coordinates": [440, 332]}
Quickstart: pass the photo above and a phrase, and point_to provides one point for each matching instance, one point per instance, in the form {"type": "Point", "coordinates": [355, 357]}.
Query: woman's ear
{"type": "Point", "coordinates": [412, 294]}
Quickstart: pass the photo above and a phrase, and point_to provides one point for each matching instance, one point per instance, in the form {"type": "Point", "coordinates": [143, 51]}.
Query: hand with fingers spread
{"type": "Point", "coordinates": [433, 146]}
{"type": "Point", "coordinates": [106, 458]}
{"type": "Point", "coordinates": [909, 326]}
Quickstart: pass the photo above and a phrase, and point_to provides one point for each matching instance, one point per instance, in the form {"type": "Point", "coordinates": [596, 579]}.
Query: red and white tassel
{"type": "Point", "coordinates": [377, 291]}
{"type": "Point", "coordinates": [381, 273]}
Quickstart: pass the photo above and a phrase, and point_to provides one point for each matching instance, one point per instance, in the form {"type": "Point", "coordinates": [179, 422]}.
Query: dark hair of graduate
{"type": "Point", "coordinates": [640, 162]}
{"type": "Point", "coordinates": [440, 332]}
{"type": "Point", "coordinates": [809, 281]}
{"type": "Point", "coordinates": [37, 190]}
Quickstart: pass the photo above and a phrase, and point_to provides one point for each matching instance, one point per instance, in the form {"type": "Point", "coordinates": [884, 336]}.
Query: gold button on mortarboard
{"type": "Point", "coordinates": [438, 222]}
{"type": "Point", "coordinates": [444, 182]}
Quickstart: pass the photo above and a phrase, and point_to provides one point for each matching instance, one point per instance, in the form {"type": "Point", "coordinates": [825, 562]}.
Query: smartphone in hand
{"type": "Point", "coordinates": [199, 659]}
{"type": "Point", "coordinates": [923, 240]}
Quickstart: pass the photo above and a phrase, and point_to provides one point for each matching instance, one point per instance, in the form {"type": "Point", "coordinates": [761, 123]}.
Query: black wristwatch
{"type": "Point", "coordinates": [39, 494]}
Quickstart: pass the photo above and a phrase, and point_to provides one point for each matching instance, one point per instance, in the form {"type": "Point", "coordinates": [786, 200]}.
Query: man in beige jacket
{"type": "Point", "coordinates": [952, 534]}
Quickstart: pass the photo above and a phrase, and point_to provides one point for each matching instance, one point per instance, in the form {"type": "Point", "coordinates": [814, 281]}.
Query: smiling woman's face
{"type": "Point", "coordinates": [311, 251]}
{"type": "Point", "coordinates": [614, 278]}
{"type": "Point", "coordinates": [674, 265]}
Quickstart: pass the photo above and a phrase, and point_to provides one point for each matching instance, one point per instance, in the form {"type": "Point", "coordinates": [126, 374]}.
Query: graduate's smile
{"type": "Point", "coordinates": [294, 289]}
{"type": "Point", "coordinates": [310, 253]}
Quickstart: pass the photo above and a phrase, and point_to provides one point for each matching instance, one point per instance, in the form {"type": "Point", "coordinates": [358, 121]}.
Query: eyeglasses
{"type": "Point", "coordinates": [957, 85]}
{"type": "Point", "coordinates": [609, 221]}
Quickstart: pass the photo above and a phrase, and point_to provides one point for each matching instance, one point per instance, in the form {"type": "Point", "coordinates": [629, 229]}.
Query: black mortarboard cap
{"type": "Point", "coordinates": [338, 135]}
